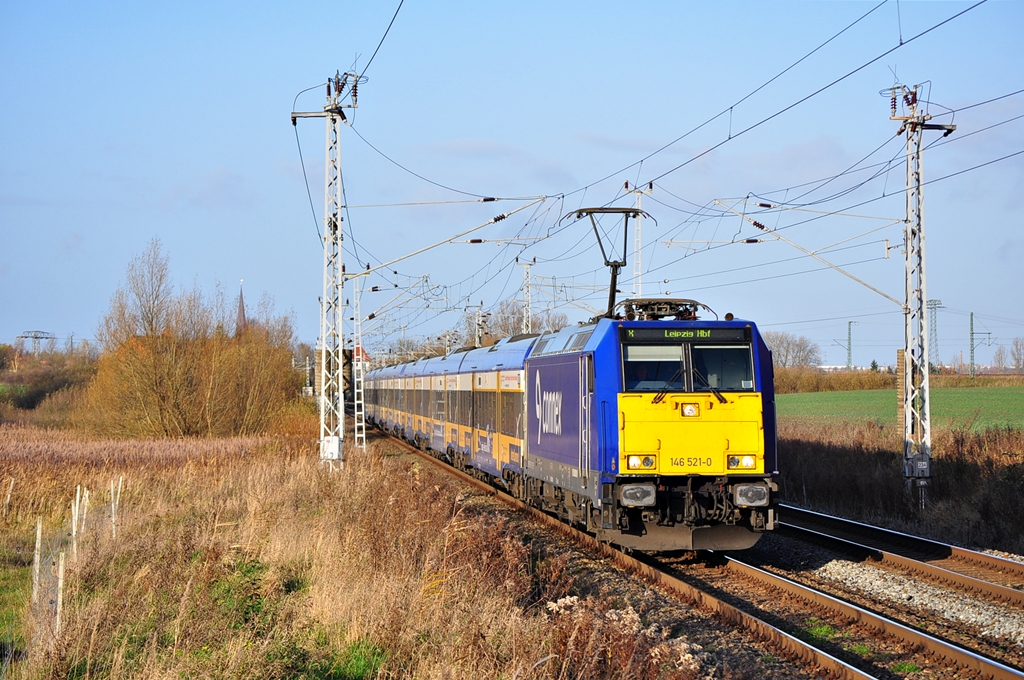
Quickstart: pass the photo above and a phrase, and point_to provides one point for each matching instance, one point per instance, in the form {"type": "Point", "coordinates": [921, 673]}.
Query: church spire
{"type": "Point", "coordinates": [240, 322]}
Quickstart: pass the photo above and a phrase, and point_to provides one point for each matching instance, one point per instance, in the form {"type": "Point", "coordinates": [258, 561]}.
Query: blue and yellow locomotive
{"type": "Point", "coordinates": [653, 430]}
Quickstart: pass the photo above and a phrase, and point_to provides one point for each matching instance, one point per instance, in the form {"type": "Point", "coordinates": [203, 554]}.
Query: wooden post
{"type": "Point", "coordinates": [75, 509]}
{"type": "Point", "coordinates": [60, 591]}
{"type": "Point", "coordinates": [115, 502]}
{"type": "Point", "coordinates": [36, 560]}
{"type": "Point", "coordinates": [85, 509]}
{"type": "Point", "coordinates": [7, 502]}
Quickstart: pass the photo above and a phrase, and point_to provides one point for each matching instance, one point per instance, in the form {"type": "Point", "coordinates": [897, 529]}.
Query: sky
{"type": "Point", "coordinates": [121, 123]}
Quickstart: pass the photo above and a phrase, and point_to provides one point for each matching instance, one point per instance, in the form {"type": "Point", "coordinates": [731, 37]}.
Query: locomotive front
{"type": "Point", "coordinates": [696, 448]}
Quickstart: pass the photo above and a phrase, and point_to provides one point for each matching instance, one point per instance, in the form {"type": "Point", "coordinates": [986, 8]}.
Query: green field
{"type": "Point", "coordinates": [959, 407]}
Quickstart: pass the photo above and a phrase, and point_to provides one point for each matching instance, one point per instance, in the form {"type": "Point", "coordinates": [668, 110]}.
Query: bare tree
{"type": "Point", "coordinates": [507, 320]}
{"type": "Point", "coordinates": [1017, 355]}
{"type": "Point", "coordinates": [999, 358]}
{"type": "Point", "coordinates": [792, 350]}
{"type": "Point", "coordinates": [171, 367]}
{"type": "Point", "coordinates": [550, 320]}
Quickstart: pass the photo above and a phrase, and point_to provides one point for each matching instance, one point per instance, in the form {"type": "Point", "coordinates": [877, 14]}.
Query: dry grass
{"type": "Point", "coordinates": [855, 469]}
{"type": "Point", "coordinates": [245, 558]}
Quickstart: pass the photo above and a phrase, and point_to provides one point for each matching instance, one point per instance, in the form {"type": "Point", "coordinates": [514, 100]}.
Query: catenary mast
{"type": "Point", "coordinates": [917, 436]}
{"type": "Point", "coordinates": [331, 397]}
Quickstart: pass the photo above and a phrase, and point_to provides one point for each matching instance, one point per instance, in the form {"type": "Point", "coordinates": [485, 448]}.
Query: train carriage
{"type": "Point", "coordinates": [655, 431]}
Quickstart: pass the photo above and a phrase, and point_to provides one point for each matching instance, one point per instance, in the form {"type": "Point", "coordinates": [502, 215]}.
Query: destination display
{"type": "Point", "coordinates": [665, 335]}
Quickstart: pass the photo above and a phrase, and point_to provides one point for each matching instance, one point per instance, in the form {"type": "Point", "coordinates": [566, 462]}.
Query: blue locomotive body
{"type": "Point", "coordinates": [650, 434]}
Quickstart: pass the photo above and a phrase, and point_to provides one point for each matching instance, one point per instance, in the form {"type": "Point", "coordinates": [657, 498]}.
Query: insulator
{"type": "Point", "coordinates": [626, 185]}
{"type": "Point", "coordinates": [764, 205]}
{"type": "Point", "coordinates": [476, 240]}
{"type": "Point", "coordinates": [760, 226]}
{"type": "Point", "coordinates": [328, 89]}
{"type": "Point", "coordinates": [894, 102]}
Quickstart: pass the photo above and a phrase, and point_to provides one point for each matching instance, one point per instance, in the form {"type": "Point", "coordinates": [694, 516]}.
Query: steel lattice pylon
{"type": "Point", "coordinates": [917, 438]}
{"type": "Point", "coordinates": [331, 396]}
{"type": "Point", "coordinates": [358, 366]}
{"type": "Point", "coordinates": [917, 435]}
{"type": "Point", "coordinates": [332, 423]}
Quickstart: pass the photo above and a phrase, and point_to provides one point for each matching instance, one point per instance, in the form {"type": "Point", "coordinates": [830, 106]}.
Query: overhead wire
{"type": "Point", "coordinates": [386, 31]}
{"type": "Point", "coordinates": [816, 92]}
{"type": "Point", "coordinates": [411, 172]}
{"type": "Point", "coordinates": [729, 109]}
{"type": "Point", "coordinates": [639, 163]}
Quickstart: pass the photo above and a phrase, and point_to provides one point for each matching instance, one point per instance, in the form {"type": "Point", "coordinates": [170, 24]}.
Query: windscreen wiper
{"type": "Point", "coordinates": [714, 390]}
{"type": "Point", "coordinates": [663, 392]}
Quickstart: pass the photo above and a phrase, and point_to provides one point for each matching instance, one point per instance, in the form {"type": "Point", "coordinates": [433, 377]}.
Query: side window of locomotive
{"type": "Point", "coordinates": [650, 368]}
{"type": "Point", "coordinates": [722, 367]}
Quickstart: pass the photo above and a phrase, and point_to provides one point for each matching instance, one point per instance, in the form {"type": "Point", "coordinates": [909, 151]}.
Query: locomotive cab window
{"type": "Point", "coordinates": [722, 367]}
{"type": "Point", "coordinates": [648, 368]}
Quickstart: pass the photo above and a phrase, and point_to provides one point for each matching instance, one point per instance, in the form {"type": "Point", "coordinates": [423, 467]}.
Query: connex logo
{"type": "Point", "coordinates": [549, 411]}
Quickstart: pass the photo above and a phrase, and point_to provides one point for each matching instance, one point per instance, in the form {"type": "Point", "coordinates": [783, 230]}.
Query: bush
{"type": "Point", "coordinates": [180, 366]}
{"type": "Point", "coordinates": [808, 379]}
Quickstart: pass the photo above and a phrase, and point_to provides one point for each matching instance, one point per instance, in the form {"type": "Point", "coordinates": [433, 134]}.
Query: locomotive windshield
{"type": "Point", "coordinates": [687, 368]}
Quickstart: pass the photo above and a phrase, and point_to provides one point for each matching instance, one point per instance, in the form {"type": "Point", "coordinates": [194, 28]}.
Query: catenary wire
{"type": "Point", "coordinates": [730, 108]}
{"type": "Point", "coordinates": [388, 30]}
{"type": "Point", "coordinates": [817, 92]}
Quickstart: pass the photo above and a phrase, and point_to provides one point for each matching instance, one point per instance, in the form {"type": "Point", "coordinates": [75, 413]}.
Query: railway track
{"type": "Point", "coordinates": [986, 575]}
{"type": "Point", "coordinates": [961, 596]}
{"type": "Point", "coordinates": [941, 658]}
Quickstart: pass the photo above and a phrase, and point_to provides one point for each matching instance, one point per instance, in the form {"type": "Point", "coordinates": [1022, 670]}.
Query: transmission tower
{"type": "Point", "coordinates": [35, 337]}
{"type": "Point", "coordinates": [332, 414]}
{"type": "Point", "coordinates": [917, 435]}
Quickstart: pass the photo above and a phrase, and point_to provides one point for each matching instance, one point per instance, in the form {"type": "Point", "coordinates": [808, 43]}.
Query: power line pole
{"type": "Point", "coordinates": [917, 435]}
{"type": "Point", "coordinates": [977, 344]}
{"type": "Point", "coordinates": [332, 413]}
{"type": "Point", "coordinates": [638, 241]}
{"type": "Point", "coordinates": [527, 298]}
{"type": "Point", "coordinates": [849, 345]}
{"type": "Point", "coordinates": [933, 329]}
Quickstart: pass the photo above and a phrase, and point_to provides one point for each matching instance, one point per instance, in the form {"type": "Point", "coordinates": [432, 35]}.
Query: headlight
{"type": "Point", "coordinates": [689, 410]}
{"type": "Point", "coordinates": [641, 462]}
{"type": "Point", "coordinates": [751, 495]}
{"type": "Point", "coordinates": [637, 495]}
{"type": "Point", "coordinates": [742, 462]}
